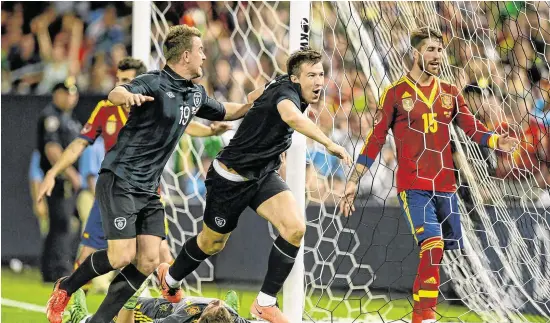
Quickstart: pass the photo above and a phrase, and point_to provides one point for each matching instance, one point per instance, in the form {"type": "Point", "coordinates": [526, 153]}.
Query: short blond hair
{"type": "Point", "coordinates": [217, 315]}
{"type": "Point", "coordinates": [179, 40]}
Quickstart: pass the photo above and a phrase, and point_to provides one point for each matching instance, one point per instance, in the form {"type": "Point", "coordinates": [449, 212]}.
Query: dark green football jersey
{"type": "Point", "coordinates": [153, 129]}
{"type": "Point", "coordinates": [263, 136]}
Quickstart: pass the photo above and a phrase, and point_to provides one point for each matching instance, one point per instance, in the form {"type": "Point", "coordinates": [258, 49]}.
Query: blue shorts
{"type": "Point", "coordinates": [432, 214]}
{"type": "Point", "coordinates": [93, 235]}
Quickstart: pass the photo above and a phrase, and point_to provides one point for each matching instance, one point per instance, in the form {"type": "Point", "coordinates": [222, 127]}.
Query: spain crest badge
{"type": "Point", "coordinates": [446, 101]}
{"type": "Point", "coordinates": [408, 104]}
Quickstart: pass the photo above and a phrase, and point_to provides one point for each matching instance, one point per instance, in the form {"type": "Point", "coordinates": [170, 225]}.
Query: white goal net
{"type": "Point", "coordinates": [361, 268]}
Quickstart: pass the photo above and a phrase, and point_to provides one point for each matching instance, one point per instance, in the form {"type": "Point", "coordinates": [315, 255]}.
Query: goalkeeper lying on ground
{"type": "Point", "coordinates": [158, 310]}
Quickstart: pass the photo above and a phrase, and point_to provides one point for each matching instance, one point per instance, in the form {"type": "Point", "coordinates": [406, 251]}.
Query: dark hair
{"type": "Point", "coordinates": [295, 61]}
{"type": "Point", "coordinates": [217, 315]}
{"type": "Point", "coordinates": [179, 40]}
{"type": "Point", "coordinates": [420, 34]}
{"type": "Point", "coordinates": [130, 63]}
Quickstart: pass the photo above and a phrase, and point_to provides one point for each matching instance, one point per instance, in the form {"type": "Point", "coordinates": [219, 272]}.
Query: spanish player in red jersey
{"type": "Point", "coordinates": [106, 120]}
{"type": "Point", "coordinates": [419, 108]}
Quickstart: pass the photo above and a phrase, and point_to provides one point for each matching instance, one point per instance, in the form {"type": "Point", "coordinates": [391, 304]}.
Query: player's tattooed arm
{"type": "Point", "coordinates": [357, 172]}
{"type": "Point", "coordinates": [350, 192]}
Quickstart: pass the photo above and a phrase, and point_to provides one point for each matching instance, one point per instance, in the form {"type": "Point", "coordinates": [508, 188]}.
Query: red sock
{"type": "Point", "coordinates": [426, 284]}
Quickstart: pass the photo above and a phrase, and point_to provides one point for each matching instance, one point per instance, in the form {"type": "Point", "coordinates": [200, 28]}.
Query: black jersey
{"type": "Point", "coordinates": [188, 310]}
{"type": "Point", "coordinates": [263, 135]}
{"type": "Point", "coordinates": [153, 129]}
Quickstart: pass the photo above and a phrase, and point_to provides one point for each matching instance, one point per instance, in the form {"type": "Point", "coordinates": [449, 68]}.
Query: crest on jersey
{"type": "Point", "coordinates": [219, 221]}
{"type": "Point", "coordinates": [193, 310]}
{"type": "Point", "coordinates": [447, 101]}
{"type": "Point", "coordinates": [197, 98]}
{"type": "Point", "coordinates": [408, 104]}
{"type": "Point", "coordinates": [86, 129]}
{"type": "Point", "coordinates": [110, 126]}
{"type": "Point", "coordinates": [120, 223]}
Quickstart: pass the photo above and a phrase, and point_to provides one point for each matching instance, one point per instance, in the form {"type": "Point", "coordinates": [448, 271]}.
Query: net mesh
{"type": "Point", "coordinates": [362, 268]}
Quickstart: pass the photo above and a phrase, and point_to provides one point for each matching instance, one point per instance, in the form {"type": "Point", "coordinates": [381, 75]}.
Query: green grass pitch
{"type": "Point", "coordinates": [27, 287]}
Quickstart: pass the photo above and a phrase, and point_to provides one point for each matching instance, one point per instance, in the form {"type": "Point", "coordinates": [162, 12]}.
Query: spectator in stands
{"type": "Point", "coordinates": [105, 32]}
{"type": "Point", "coordinates": [24, 65]}
{"type": "Point", "coordinates": [59, 63]}
{"type": "Point", "coordinates": [101, 81]}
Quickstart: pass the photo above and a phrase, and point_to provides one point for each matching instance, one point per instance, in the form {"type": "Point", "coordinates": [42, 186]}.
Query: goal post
{"type": "Point", "coordinates": [141, 29]}
{"type": "Point", "coordinates": [294, 288]}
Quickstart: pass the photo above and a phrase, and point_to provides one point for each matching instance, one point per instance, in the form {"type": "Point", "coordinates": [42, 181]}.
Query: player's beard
{"type": "Point", "coordinates": [425, 67]}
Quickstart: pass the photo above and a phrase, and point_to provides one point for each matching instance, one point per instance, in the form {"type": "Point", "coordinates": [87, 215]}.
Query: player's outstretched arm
{"type": "Point", "coordinates": [296, 120]}
{"type": "Point", "coordinates": [235, 111]}
{"type": "Point", "coordinates": [197, 129]}
{"type": "Point", "coordinates": [62, 162]}
{"type": "Point", "coordinates": [120, 96]}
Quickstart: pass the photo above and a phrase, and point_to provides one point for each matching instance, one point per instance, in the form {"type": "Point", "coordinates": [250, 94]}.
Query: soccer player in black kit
{"type": "Point", "coordinates": [164, 102]}
{"type": "Point", "coordinates": [244, 174]}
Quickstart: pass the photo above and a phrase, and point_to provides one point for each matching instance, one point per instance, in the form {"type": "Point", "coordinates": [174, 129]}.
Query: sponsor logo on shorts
{"type": "Point", "coordinates": [120, 223]}
{"type": "Point", "coordinates": [219, 221]}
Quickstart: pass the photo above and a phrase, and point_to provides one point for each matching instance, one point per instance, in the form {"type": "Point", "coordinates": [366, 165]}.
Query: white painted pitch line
{"type": "Point", "coordinates": [22, 305]}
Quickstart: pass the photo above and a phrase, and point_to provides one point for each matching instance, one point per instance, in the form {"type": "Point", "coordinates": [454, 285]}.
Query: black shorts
{"type": "Point", "coordinates": [226, 200]}
{"type": "Point", "coordinates": [127, 211]}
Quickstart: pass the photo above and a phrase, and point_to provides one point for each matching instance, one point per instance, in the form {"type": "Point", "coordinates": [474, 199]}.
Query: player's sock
{"type": "Point", "coordinates": [189, 259]}
{"type": "Point", "coordinates": [125, 284]}
{"type": "Point", "coordinates": [96, 264]}
{"type": "Point", "coordinates": [281, 261]}
{"type": "Point", "coordinates": [426, 287]}
{"type": "Point", "coordinates": [266, 300]}
{"type": "Point", "coordinates": [86, 287]}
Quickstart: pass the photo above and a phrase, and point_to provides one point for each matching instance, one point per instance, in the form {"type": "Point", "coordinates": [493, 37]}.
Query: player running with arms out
{"type": "Point", "coordinates": [244, 174]}
{"type": "Point", "coordinates": [106, 120]}
{"type": "Point", "coordinates": [419, 108]}
{"type": "Point", "coordinates": [158, 310]}
{"type": "Point", "coordinates": [127, 188]}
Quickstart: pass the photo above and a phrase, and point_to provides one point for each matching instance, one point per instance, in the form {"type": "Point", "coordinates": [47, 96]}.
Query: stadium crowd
{"type": "Point", "coordinates": [498, 53]}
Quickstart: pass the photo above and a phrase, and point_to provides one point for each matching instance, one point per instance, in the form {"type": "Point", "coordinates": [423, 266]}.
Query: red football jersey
{"type": "Point", "coordinates": [531, 152]}
{"type": "Point", "coordinates": [419, 117]}
{"type": "Point", "coordinates": [106, 120]}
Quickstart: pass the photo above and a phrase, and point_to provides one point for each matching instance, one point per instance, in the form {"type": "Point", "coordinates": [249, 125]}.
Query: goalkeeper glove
{"type": "Point", "coordinates": [132, 302]}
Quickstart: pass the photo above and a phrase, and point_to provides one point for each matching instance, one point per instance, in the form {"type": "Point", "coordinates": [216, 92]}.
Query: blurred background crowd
{"type": "Point", "coordinates": [498, 53]}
